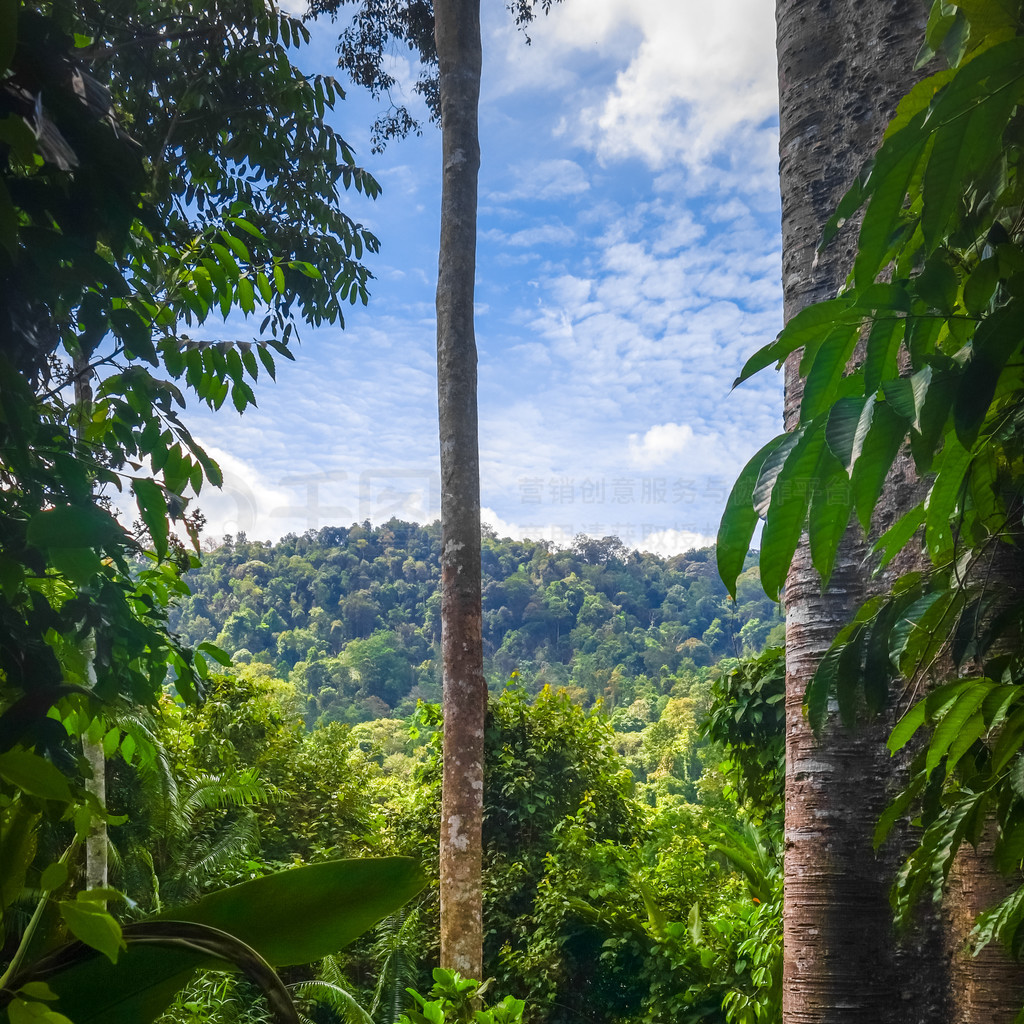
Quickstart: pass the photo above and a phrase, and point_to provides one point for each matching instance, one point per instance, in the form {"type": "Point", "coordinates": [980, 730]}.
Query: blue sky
{"type": "Point", "coordinates": [628, 263]}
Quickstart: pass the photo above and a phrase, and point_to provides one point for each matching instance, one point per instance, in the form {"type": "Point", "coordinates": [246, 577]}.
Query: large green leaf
{"type": "Point", "coordinates": [831, 504]}
{"type": "Point", "coordinates": [843, 428]}
{"type": "Point", "coordinates": [827, 370]}
{"type": "Point", "coordinates": [887, 184]}
{"type": "Point", "coordinates": [896, 538]}
{"type": "Point", "coordinates": [807, 329]}
{"type": "Point", "coordinates": [293, 917]}
{"type": "Point", "coordinates": [996, 339]}
{"type": "Point", "coordinates": [740, 519]}
{"type": "Point", "coordinates": [152, 504]}
{"type": "Point", "coordinates": [310, 911]}
{"type": "Point", "coordinates": [787, 512]}
{"type": "Point", "coordinates": [881, 441]}
{"type": "Point", "coordinates": [883, 346]}
{"type": "Point", "coordinates": [944, 497]}
{"type": "Point", "coordinates": [967, 119]}
{"type": "Point", "coordinates": [73, 526]}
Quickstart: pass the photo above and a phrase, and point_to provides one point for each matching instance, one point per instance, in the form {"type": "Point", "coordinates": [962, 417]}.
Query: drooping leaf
{"type": "Point", "coordinates": [293, 917]}
{"type": "Point", "coordinates": [895, 539]}
{"type": "Point", "coordinates": [788, 510]}
{"type": "Point", "coordinates": [91, 924]}
{"type": "Point", "coordinates": [26, 770]}
{"type": "Point", "coordinates": [740, 519]}
{"type": "Point", "coordinates": [998, 336]}
{"type": "Point", "coordinates": [942, 500]}
{"type": "Point", "coordinates": [808, 328]}
{"type": "Point", "coordinates": [881, 442]}
{"type": "Point", "coordinates": [831, 505]}
{"type": "Point", "coordinates": [152, 504]}
{"type": "Point", "coordinates": [827, 370]}
{"type": "Point", "coordinates": [887, 185]}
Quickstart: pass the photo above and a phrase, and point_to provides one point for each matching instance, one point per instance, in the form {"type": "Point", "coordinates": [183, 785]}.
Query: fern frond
{"type": "Point", "coordinates": [339, 999]}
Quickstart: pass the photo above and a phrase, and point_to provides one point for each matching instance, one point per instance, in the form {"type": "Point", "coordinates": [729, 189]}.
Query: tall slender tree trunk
{"type": "Point", "coordinates": [843, 66]}
{"type": "Point", "coordinates": [96, 843]}
{"type": "Point", "coordinates": [457, 35]}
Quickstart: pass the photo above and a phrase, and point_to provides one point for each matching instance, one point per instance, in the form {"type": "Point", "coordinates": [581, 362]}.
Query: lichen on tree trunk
{"type": "Point", "coordinates": [457, 35]}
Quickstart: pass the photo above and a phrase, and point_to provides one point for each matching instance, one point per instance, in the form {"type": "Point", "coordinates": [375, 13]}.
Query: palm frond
{"type": "Point", "coordinates": [334, 996]}
{"type": "Point", "coordinates": [394, 952]}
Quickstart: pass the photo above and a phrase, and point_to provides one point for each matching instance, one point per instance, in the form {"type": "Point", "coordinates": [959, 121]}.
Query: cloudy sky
{"type": "Point", "coordinates": [628, 263]}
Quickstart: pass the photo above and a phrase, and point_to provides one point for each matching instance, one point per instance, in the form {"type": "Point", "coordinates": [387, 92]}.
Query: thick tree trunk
{"type": "Point", "coordinates": [457, 34]}
{"type": "Point", "coordinates": [987, 988]}
{"type": "Point", "coordinates": [843, 66]}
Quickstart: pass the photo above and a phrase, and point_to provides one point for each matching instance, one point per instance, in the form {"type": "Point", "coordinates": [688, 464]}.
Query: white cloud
{"type": "Point", "coordinates": [530, 238]}
{"type": "Point", "coordinates": [543, 179]}
{"type": "Point", "coordinates": [689, 75]}
{"type": "Point", "coordinates": [660, 444]}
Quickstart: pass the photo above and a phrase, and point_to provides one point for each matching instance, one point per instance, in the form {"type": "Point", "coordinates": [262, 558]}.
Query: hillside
{"type": "Point", "coordinates": [350, 615]}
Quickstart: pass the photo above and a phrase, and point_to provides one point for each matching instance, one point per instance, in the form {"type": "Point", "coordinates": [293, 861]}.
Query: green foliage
{"type": "Point", "coordinates": [942, 374]}
{"type": "Point", "coordinates": [351, 616]}
{"type": "Point", "coordinates": [292, 917]}
{"type": "Point", "coordinates": [747, 716]}
{"type": "Point", "coordinates": [159, 166]}
{"type": "Point", "coordinates": [459, 1000]}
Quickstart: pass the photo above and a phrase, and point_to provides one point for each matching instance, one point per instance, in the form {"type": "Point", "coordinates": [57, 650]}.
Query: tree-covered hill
{"type": "Point", "coordinates": [351, 615]}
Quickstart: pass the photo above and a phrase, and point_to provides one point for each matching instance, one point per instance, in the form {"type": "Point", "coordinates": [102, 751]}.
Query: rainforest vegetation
{"type": "Point", "coordinates": [220, 766]}
{"type": "Point", "coordinates": [351, 617]}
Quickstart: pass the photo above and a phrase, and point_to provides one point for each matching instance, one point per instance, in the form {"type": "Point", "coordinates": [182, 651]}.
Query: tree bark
{"type": "Point", "coordinates": [97, 850]}
{"type": "Point", "coordinates": [457, 35]}
{"type": "Point", "coordinates": [843, 66]}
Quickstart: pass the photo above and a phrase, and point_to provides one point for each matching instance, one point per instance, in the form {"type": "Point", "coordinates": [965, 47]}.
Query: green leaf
{"type": "Point", "coordinates": [73, 526]}
{"type": "Point", "coordinates": [788, 510]}
{"type": "Point", "coordinates": [996, 339]}
{"type": "Point", "coordinates": [220, 656]}
{"type": "Point", "coordinates": [242, 396]}
{"type": "Point", "coordinates": [310, 911]}
{"type": "Point", "coordinates": [827, 370]}
{"type": "Point", "coordinates": [740, 518]}
{"type": "Point", "coordinates": [953, 721]}
{"type": "Point", "coordinates": [967, 121]}
{"type": "Point", "coordinates": [906, 727]}
{"type": "Point", "coordinates": [53, 877]}
{"type": "Point", "coordinates": [245, 295]}
{"type": "Point", "coordinates": [881, 442]}
{"type": "Point", "coordinates": [944, 497]}
{"type": "Point", "coordinates": [34, 775]}
{"type": "Point", "coordinates": [91, 924]}
{"type": "Point", "coordinates": [883, 346]}
{"type": "Point", "coordinates": [896, 538]}
{"type": "Point", "coordinates": [238, 247]}
{"type": "Point", "coordinates": [79, 565]}
{"type": "Point", "coordinates": [294, 917]}
{"type": "Point", "coordinates": [981, 284]}
{"type": "Point", "coordinates": [887, 184]}
{"type": "Point", "coordinates": [843, 428]}
{"type": "Point", "coordinates": [267, 359]}
{"type": "Point", "coordinates": [831, 505]}
{"type": "Point", "coordinates": [809, 327]}
{"type": "Point", "coordinates": [248, 227]}
{"type": "Point", "coordinates": [18, 839]}
{"type": "Point", "coordinates": [152, 503]}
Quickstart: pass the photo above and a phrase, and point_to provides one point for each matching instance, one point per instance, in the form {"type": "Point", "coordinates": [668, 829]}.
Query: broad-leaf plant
{"type": "Point", "coordinates": [163, 165]}
{"type": "Point", "coordinates": [923, 353]}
